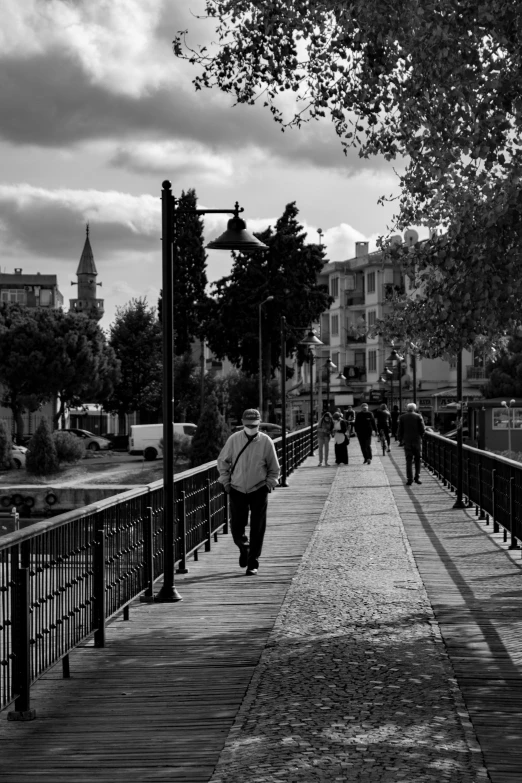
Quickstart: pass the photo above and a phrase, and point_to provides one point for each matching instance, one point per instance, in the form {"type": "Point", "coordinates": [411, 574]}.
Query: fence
{"type": "Point", "coordinates": [492, 484]}
{"type": "Point", "coordinates": [62, 579]}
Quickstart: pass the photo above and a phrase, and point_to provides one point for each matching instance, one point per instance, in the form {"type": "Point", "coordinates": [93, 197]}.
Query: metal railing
{"type": "Point", "coordinates": [492, 484]}
{"type": "Point", "coordinates": [61, 580]}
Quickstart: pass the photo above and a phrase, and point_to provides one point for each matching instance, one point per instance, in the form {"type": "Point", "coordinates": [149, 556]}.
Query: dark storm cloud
{"type": "Point", "coordinates": [49, 101]}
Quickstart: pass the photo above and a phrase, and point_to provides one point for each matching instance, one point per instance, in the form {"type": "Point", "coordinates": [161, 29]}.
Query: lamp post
{"type": "Point", "coordinates": [268, 299]}
{"type": "Point", "coordinates": [459, 503]}
{"type": "Point", "coordinates": [509, 409]}
{"type": "Point", "coordinates": [311, 341]}
{"type": "Point", "coordinates": [395, 358]}
{"type": "Point", "coordinates": [236, 237]}
{"type": "Point", "coordinates": [284, 482]}
{"type": "Point", "coordinates": [329, 366]}
{"type": "Point", "coordinates": [387, 375]}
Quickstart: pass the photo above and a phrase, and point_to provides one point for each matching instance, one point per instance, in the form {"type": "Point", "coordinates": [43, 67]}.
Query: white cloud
{"type": "Point", "coordinates": [178, 158]}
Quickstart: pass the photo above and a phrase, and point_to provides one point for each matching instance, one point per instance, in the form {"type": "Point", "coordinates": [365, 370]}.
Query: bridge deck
{"type": "Point", "coordinates": [159, 701]}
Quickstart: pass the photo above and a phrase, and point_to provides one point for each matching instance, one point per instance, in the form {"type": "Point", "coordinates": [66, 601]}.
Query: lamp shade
{"type": "Point", "coordinates": [329, 365]}
{"type": "Point", "coordinates": [236, 237]}
{"type": "Point", "coordinates": [395, 357]}
{"type": "Point", "coordinates": [311, 339]}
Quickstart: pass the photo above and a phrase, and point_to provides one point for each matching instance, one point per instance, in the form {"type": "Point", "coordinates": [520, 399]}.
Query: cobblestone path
{"type": "Point", "coordinates": [355, 683]}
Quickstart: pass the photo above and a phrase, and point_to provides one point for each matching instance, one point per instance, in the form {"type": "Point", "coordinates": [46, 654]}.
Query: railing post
{"type": "Point", "coordinates": [99, 587]}
{"type": "Point", "coordinates": [22, 648]}
{"type": "Point", "coordinates": [148, 557]}
{"type": "Point", "coordinates": [227, 516]}
{"type": "Point", "coordinates": [513, 544]}
{"type": "Point", "coordinates": [494, 499]}
{"type": "Point", "coordinates": [182, 568]}
{"type": "Point", "coordinates": [482, 515]}
{"type": "Point", "coordinates": [208, 516]}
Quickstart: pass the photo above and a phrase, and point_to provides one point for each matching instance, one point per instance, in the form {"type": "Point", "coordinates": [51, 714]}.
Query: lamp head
{"type": "Point", "coordinates": [311, 339]}
{"type": "Point", "coordinates": [236, 237]}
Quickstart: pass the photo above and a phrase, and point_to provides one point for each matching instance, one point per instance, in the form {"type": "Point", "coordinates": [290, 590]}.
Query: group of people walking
{"type": "Point", "coordinates": [407, 428]}
{"type": "Point", "coordinates": [249, 468]}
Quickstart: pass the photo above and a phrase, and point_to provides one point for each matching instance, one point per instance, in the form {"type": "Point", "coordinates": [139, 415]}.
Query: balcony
{"type": "Point", "coordinates": [354, 298]}
{"type": "Point", "coordinates": [389, 290]}
{"type": "Point", "coordinates": [476, 376]}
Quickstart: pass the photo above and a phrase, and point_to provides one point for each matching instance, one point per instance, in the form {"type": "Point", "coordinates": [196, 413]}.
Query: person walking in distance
{"type": "Point", "coordinates": [383, 421]}
{"type": "Point", "coordinates": [395, 420]}
{"type": "Point", "coordinates": [364, 426]}
{"type": "Point", "coordinates": [324, 433]}
{"type": "Point", "coordinates": [249, 470]}
{"type": "Point", "coordinates": [410, 431]}
{"type": "Point", "coordinates": [341, 439]}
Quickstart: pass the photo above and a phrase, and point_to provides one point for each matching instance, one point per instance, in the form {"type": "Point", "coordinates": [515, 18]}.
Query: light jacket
{"type": "Point", "coordinates": [256, 467]}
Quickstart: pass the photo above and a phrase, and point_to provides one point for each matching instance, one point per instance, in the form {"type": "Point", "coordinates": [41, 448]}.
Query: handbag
{"type": "Point", "coordinates": [340, 438]}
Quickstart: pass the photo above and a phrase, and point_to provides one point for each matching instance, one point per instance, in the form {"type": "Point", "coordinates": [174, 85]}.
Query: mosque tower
{"type": "Point", "coordinates": [87, 302]}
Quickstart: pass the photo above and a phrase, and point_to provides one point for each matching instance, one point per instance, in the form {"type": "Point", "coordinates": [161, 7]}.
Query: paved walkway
{"type": "Point", "coordinates": [380, 639]}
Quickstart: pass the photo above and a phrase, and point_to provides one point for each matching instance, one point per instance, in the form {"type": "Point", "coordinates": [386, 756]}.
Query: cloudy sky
{"type": "Point", "coordinates": [97, 112]}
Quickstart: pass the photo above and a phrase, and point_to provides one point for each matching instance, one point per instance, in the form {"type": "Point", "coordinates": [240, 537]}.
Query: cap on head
{"type": "Point", "coordinates": [251, 415]}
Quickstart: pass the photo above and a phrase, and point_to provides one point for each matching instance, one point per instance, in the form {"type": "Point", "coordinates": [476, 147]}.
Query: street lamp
{"type": "Point", "coordinates": [387, 375]}
{"type": "Point", "coordinates": [509, 409]}
{"type": "Point", "coordinates": [329, 366]}
{"type": "Point", "coordinates": [311, 341]}
{"type": "Point", "coordinates": [268, 299]}
{"type": "Point", "coordinates": [236, 237]}
{"type": "Point", "coordinates": [396, 358]}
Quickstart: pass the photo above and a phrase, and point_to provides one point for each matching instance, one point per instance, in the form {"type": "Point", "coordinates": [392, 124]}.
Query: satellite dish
{"type": "Point", "coordinates": [395, 240]}
{"type": "Point", "coordinates": [411, 237]}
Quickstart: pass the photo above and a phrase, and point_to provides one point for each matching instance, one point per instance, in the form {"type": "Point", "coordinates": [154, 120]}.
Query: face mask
{"type": "Point", "coordinates": [250, 431]}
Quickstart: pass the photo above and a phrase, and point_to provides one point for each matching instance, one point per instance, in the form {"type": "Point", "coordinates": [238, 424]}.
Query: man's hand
{"type": "Point", "coordinates": [227, 488]}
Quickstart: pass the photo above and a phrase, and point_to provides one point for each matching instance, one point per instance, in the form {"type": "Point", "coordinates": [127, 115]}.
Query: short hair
{"type": "Point", "coordinates": [411, 406]}
{"type": "Point", "coordinates": [364, 406]}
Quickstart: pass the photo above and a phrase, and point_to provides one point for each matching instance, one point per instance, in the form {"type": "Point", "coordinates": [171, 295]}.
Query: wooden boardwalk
{"type": "Point", "coordinates": [474, 584]}
{"type": "Point", "coordinates": [157, 703]}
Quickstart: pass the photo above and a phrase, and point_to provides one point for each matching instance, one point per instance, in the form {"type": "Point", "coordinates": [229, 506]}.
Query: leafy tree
{"type": "Point", "coordinates": [210, 435]}
{"type": "Point", "coordinates": [136, 339]}
{"type": "Point", "coordinates": [505, 373]}
{"type": "Point", "coordinates": [5, 446]}
{"type": "Point", "coordinates": [287, 271]}
{"type": "Point", "coordinates": [190, 278]}
{"type": "Point", "coordinates": [434, 85]}
{"type": "Point", "coordinates": [42, 458]}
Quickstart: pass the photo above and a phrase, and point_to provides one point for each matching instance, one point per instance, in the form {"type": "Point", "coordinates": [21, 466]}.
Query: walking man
{"type": "Point", "coordinates": [364, 425]}
{"type": "Point", "coordinates": [383, 421]}
{"type": "Point", "coordinates": [249, 470]}
{"type": "Point", "coordinates": [410, 431]}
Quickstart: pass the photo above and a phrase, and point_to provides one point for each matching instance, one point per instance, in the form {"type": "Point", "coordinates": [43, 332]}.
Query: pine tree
{"type": "Point", "coordinates": [41, 458]}
{"type": "Point", "coordinates": [210, 435]}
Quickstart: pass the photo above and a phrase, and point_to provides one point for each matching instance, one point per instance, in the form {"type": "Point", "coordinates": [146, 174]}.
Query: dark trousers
{"type": "Point", "coordinates": [365, 442]}
{"type": "Point", "coordinates": [240, 504]}
{"type": "Point", "coordinates": [413, 455]}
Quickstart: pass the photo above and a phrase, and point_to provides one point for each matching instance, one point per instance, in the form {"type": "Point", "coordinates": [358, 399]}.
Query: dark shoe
{"type": "Point", "coordinates": [369, 462]}
{"type": "Point", "coordinates": [417, 481]}
{"type": "Point", "coordinates": [243, 557]}
{"type": "Point", "coordinates": [409, 483]}
{"type": "Point", "coordinates": [251, 572]}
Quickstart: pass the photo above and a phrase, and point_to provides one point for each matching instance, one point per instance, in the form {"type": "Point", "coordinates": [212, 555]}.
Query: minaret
{"type": "Point", "coordinates": [87, 302]}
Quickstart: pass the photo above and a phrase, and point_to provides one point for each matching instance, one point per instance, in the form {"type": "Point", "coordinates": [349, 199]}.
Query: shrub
{"type": "Point", "coordinates": [181, 446]}
{"type": "Point", "coordinates": [41, 458]}
{"type": "Point", "coordinates": [210, 435]}
{"type": "Point", "coordinates": [69, 448]}
{"type": "Point", "coordinates": [5, 447]}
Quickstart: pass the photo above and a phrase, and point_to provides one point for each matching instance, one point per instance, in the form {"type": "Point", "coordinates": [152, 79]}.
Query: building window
{"type": "Point", "coordinates": [14, 295]}
{"type": "Point", "coordinates": [372, 361]}
{"type": "Point", "coordinates": [334, 287]}
{"type": "Point", "coordinates": [46, 297]}
{"type": "Point", "coordinates": [371, 282]}
{"type": "Point", "coordinates": [335, 324]}
{"type": "Point", "coordinates": [372, 316]}
{"type": "Point", "coordinates": [503, 418]}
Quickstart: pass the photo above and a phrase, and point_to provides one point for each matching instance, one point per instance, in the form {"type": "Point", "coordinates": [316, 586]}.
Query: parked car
{"type": "Point", "coordinates": [92, 442]}
{"type": "Point", "coordinates": [273, 430]}
{"type": "Point", "coordinates": [147, 439]}
{"type": "Point", "coordinates": [18, 456]}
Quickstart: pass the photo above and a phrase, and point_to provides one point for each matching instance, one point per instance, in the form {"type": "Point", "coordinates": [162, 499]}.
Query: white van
{"type": "Point", "coordinates": [146, 438]}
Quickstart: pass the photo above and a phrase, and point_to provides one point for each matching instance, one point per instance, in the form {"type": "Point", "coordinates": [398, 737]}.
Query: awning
{"type": "Point", "coordinates": [467, 391]}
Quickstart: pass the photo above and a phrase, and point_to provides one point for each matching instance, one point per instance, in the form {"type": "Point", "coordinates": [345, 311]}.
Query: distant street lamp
{"type": "Point", "coordinates": [509, 409]}
{"type": "Point", "coordinates": [236, 237]}
{"type": "Point", "coordinates": [387, 375]}
{"type": "Point", "coordinates": [329, 366]}
{"type": "Point", "coordinates": [459, 503]}
{"type": "Point", "coordinates": [395, 359]}
{"type": "Point", "coordinates": [268, 299]}
{"type": "Point", "coordinates": [311, 341]}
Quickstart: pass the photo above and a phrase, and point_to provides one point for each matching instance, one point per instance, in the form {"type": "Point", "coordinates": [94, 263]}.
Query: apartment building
{"type": "Point", "coordinates": [362, 288]}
